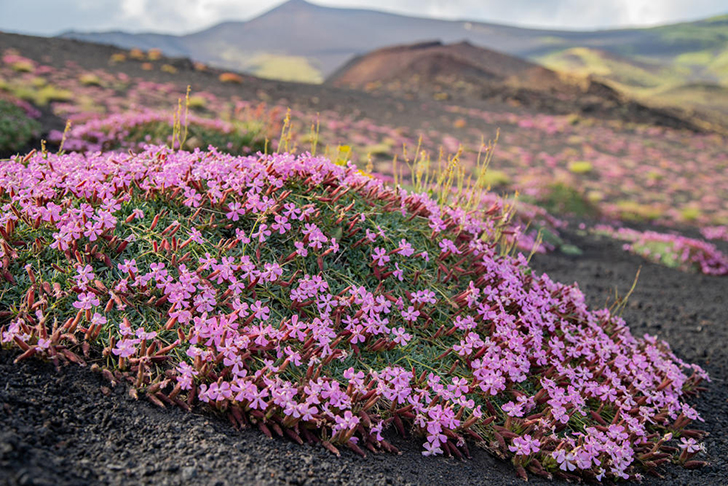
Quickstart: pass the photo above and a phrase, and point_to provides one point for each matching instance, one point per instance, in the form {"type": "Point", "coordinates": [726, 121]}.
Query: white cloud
{"type": "Point", "coordinates": [568, 14]}
{"type": "Point", "coordinates": [182, 16]}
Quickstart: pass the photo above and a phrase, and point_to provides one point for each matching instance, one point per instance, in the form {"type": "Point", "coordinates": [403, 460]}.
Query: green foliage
{"type": "Point", "coordinates": [271, 66]}
{"type": "Point", "coordinates": [689, 35]}
{"type": "Point", "coordinates": [624, 70]}
{"type": "Point", "coordinates": [634, 211]}
{"type": "Point", "coordinates": [285, 68]}
{"type": "Point", "coordinates": [678, 57]}
{"type": "Point", "coordinates": [706, 98]}
{"type": "Point", "coordinates": [719, 66]}
{"type": "Point", "coordinates": [382, 149]}
{"type": "Point", "coordinates": [698, 58]}
{"type": "Point", "coordinates": [90, 79]}
{"type": "Point", "coordinates": [580, 167]}
{"type": "Point", "coordinates": [495, 178]}
{"type": "Point", "coordinates": [197, 102]}
{"type": "Point", "coordinates": [37, 93]}
{"type": "Point", "coordinates": [245, 138]}
{"type": "Point", "coordinates": [561, 198]}
{"type": "Point", "coordinates": [22, 66]}
{"type": "Point", "coordinates": [691, 214]}
{"type": "Point", "coordinates": [16, 128]}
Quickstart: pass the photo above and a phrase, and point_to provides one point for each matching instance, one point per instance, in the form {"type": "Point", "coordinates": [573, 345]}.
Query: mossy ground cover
{"type": "Point", "coordinates": [17, 125]}
{"type": "Point", "coordinates": [132, 131]}
{"type": "Point", "coordinates": [671, 249]}
{"type": "Point", "coordinates": [312, 301]}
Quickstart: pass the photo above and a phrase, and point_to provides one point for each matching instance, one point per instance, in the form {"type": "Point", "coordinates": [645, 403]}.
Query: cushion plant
{"type": "Point", "coordinates": [314, 302]}
{"type": "Point", "coordinates": [17, 127]}
{"type": "Point", "coordinates": [134, 130]}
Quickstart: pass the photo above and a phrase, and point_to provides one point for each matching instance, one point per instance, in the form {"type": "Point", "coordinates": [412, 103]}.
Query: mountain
{"type": "Point", "coordinates": [303, 41]}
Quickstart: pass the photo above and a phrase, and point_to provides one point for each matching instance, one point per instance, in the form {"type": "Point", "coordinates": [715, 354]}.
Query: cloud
{"type": "Point", "coordinates": [49, 17]}
{"type": "Point", "coordinates": [560, 14]}
{"type": "Point", "coordinates": [180, 16]}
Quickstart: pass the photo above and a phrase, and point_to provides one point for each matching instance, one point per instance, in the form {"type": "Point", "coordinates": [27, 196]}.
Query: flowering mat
{"type": "Point", "coordinates": [295, 342]}
{"type": "Point", "coordinates": [63, 428]}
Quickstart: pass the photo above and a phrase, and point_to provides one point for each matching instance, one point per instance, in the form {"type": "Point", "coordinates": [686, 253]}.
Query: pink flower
{"type": "Point", "coordinates": [411, 314]}
{"type": "Point", "coordinates": [401, 337]}
{"type": "Point", "coordinates": [196, 236]}
{"type": "Point", "coordinates": [186, 375]}
{"type": "Point", "coordinates": [128, 266]}
{"type": "Point", "coordinates": [86, 301]}
{"type": "Point", "coordinates": [405, 249]}
{"type": "Point", "coordinates": [272, 272]}
{"type": "Point", "coordinates": [300, 249]}
{"type": "Point", "coordinates": [690, 445]}
{"type": "Point", "coordinates": [85, 275]}
{"type": "Point", "coordinates": [262, 234]}
{"type": "Point", "coordinates": [281, 225]}
{"type": "Point", "coordinates": [525, 446]}
{"type": "Point", "coordinates": [398, 272]}
{"type": "Point", "coordinates": [565, 460]}
{"type": "Point", "coordinates": [261, 312]}
{"type": "Point", "coordinates": [513, 409]}
{"type": "Point", "coordinates": [235, 211]}
{"type": "Point", "coordinates": [258, 402]}
{"type": "Point", "coordinates": [447, 245]}
{"type": "Point", "coordinates": [124, 348]}
{"type": "Point", "coordinates": [380, 256]}
{"type": "Point", "coordinates": [432, 448]}
{"type": "Point", "coordinates": [347, 422]}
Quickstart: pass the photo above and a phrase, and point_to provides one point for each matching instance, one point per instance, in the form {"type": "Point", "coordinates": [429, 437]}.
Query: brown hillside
{"type": "Point", "coordinates": [432, 62]}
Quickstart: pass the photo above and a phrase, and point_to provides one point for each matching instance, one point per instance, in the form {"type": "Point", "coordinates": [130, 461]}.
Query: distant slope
{"type": "Point", "coordinates": [624, 71]}
{"type": "Point", "coordinates": [322, 39]}
{"type": "Point", "coordinates": [425, 64]}
{"type": "Point", "coordinates": [468, 72]}
{"type": "Point", "coordinates": [703, 98]}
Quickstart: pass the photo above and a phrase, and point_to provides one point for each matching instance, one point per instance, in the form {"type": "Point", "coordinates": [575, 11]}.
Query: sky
{"type": "Point", "coordinates": [50, 17]}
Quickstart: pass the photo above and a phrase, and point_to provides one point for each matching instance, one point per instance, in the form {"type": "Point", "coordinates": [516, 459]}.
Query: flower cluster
{"type": "Point", "coordinates": [134, 130]}
{"type": "Point", "coordinates": [314, 302]}
{"type": "Point", "coordinates": [715, 232]}
{"type": "Point", "coordinates": [17, 62]}
{"type": "Point", "coordinates": [17, 124]}
{"type": "Point", "coordinates": [672, 250]}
